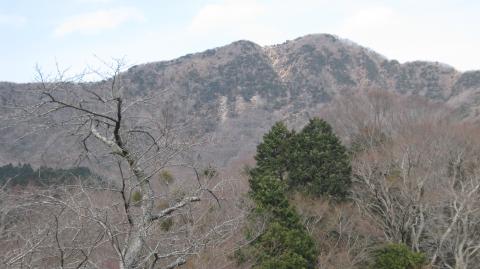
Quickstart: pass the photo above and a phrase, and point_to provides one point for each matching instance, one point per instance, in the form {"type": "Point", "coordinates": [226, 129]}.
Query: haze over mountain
{"type": "Point", "coordinates": [237, 91]}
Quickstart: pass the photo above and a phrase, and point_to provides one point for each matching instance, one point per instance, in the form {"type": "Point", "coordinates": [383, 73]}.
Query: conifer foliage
{"type": "Point", "coordinates": [318, 162]}
{"type": "Point", "coordinates": [284, 244]}
{"type": "Point", "coordinates": [272, 153]}
{"type": "Point", "coordinates": [24, 174]}
{"type": "Point", "coordinates": [313, 159]}
{"type": "Point", "coordinates": [398, 256]}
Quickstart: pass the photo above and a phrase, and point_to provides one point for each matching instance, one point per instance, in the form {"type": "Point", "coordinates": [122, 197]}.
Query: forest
{"type": "Point", "coordinates": [374, 180]}
{"type": "Point", "coordinates": [23, 174]}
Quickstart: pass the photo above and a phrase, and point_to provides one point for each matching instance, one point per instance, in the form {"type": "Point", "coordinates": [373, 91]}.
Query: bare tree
{"type": "Point", "coordinates": [456, 215]}
{"type": "Point", "coordinates": [134, 141]}
{"type": "Point", "coordinates": [391, 163]}
{"type": "Point", "coordinates": [415, 174]}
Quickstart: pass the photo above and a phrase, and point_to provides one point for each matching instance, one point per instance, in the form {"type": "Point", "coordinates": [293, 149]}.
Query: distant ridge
{"type": "Point", "coordinates": [246, 87]}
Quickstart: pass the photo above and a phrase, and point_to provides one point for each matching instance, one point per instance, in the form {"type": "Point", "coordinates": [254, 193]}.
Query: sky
{"type": "Point", "coordinates": [76, 34]}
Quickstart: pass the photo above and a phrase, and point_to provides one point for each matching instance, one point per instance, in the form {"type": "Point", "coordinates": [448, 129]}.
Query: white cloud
{"type": "Point", "coordinates": [409, 36]}
{"type": "Point", "coordinates": [372, 17]}
{"type": "Point", "coordinates": [12, 20]}
{"type": "Point", "coordinates": [217, 16]}
{"type": "Point", "coordinates": [234, 20]}
{"type": "Point", "coordinates": [95, 22]}
{"type": "Point", "coordinates": [406, 32]}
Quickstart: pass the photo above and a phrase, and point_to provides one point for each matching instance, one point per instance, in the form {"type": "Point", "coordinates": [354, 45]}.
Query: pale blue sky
{"type": "Point", "coordinates": [74, 32]}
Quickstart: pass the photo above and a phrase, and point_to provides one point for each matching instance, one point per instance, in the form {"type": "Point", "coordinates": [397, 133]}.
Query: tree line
{"type": "Point", "coordinates": [24, 174]}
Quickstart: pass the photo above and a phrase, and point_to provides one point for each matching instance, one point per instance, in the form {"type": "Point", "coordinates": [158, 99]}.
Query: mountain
{"type": "Point", "coordinates": [236, 92]}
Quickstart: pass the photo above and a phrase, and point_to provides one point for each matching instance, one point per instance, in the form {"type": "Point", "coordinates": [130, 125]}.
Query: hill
{"type": "Point", "coordinates": [235, 92]}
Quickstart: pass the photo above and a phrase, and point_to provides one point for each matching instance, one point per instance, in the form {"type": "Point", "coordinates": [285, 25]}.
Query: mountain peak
{"type": "Point", "coordinates": [244, 43]}
{"type": "Point", "coordinates": [317, 38]}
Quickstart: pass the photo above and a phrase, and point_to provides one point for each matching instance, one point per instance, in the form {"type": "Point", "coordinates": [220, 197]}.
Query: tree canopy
{"type": "Point", "coordinates": [313, 160]}
{"type": "Point", "coordinates": [284, 243]}
{"type": "Point", "coordinates": [272, 153]}
{"type": "Point", "coordinates": [318, 162]}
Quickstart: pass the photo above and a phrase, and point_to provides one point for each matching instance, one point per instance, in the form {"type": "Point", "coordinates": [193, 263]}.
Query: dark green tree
{"type": "Point", "coordinates": [269, 195]}
{"type": "Point", "coordinates": [24, 174]}
{"type": "Point", "coordinates": [318, 162]}
{"type": "Point", "coordinates": [285, 243]}
{"type": "Point", "coordinates": [272, 153]}
{"type": "Point", "coordinates": [397, 256]}
{"type": "Point", "coordinates": [313, 160]}
{"type": "Point", "coordinates": [285, 248]}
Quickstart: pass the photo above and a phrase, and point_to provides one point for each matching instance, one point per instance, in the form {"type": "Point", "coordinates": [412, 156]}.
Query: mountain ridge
{"type": "Point", "coordinates": [235, 92]}
{"type": "Point", "coordinates": [345, 40]}
{"type": "Point", "coordinates": [370, 60]}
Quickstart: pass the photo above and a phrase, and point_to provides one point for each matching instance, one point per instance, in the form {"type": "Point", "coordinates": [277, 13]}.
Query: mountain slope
{"type": "Point", "coordinates": [237, 91]}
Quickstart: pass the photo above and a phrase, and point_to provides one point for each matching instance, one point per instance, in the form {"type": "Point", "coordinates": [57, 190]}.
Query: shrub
{"type": "Point", "coordinates": [136, 197]}
{"type": "Point", "coordinates": [167, 224]}
{"type": "Point", "coordinates": [166, 176]}
{"type": "Point", "coordinates": [397, 256]}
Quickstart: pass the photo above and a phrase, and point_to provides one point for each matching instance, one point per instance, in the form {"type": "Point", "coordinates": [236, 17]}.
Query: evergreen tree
{"type": "Point", "coordinates": [398, 256]}
{"type": "Point", "coordinates": [318, 162]}
{"type": "Point", "coordinates": [313, 160]}
{"type": "Point", "coordinates": [272, 153]}
{"type": "Point", "coordinates": [24, 174]}
{"type": "Point", "coordinates": [269, 195]}
{"type": "Point", "coordinates": [285, 243]}
{"type": "Point", "coordinates": [285, 248]}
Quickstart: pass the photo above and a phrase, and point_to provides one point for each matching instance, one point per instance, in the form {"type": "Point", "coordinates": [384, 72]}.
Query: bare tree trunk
{"type": "Point", "coordinates": [144, 229]}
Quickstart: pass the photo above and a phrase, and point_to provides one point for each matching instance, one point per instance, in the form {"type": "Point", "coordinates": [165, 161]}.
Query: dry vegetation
{"type": "Point", "coordinates": [416, 174]}
{"type": "Point", "coordinates": [145, 217]}
{"type": "Point", "coordinates": [416, 181]}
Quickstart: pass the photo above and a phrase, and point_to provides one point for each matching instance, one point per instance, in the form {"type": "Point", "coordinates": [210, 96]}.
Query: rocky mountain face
{"type": "Point", "coordinates": [236, 92]}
